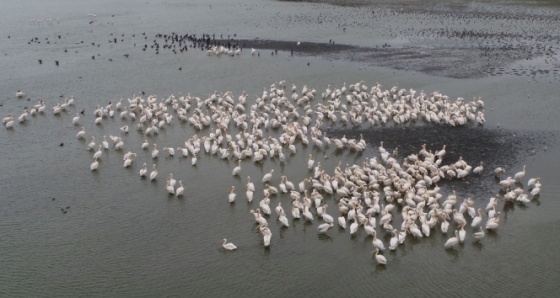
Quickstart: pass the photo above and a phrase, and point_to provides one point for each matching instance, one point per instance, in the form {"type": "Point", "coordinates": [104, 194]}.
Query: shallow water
{"type": "Point", "coordinates": [123, 236]}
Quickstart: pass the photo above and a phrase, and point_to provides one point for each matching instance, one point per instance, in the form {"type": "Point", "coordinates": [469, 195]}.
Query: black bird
{"type": "Point", "coordinates": [126, 55]}
{"type": "Point", "coordinates": [56, 61]}
{"type": "Point", "coordinates": [82, 112]}
{"type": "Point", "coordinates": [180, 68]}
{"type": "Point", "coordinates": [40, 61]}
{"type": "Point", "coordinates": [61, 145]}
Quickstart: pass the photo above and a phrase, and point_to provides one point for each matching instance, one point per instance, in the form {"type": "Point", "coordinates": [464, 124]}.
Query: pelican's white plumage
{"type": "Point", "coordinates": [228, 246]}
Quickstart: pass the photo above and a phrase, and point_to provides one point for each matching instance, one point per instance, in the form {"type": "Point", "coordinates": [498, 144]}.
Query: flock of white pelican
{"type": "Point", "coordinates": [384, 194]}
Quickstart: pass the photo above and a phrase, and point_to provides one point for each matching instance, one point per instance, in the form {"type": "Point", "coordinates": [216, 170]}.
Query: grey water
{"type": "Point", "coordinates": [123, 236]}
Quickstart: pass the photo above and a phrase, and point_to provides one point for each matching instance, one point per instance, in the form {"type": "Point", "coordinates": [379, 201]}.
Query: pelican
{"type": "Point", "coordinates": [478, 169]}
{"type": "Point", "coordinates": [520, 174]}
{"type": "Point", "coordinates": [98, 152]}
{"type": "Point", "coordinates": [249, 194]}
{"type": "Point", "coordinates": [283, 219]}
{"type": "Point", "coordinates": [170, 151]}
{"type": "Point", "coordinates": [154, 173]}
{"type": "Point", "coordinates": [381, 260]}
{"type": "Point", "coordinates": [479, 235]}
{"type": "Point", "coordinates": [498, 171]}
{"type": "Point", "coordinates": [91, 144]}
{"type": "Point", "coordinates": [310, 162]}
{"type": "Point", "coordinates": [462, 233]}
{"type": "Point", "coordinates": [323, 228]}
{"type": "Point", "coordinates": [9, 123]}
{"type": "Point", "coordinates": [453, 241]}
{"type": "Point", "coordinates": [228, 246]}
{"type": "Point", "coordinates": [81, 134]}
{"type": "Point", "coordinates": [170, 188]}
{"type": "Point", "coordinates": [250, 185]}
{"type": "Point", "coordinates": [155, 151]}
{"type": "Point", "coordinates": [377, 243]}
{"type": "Point", "coordinates": [342, 222]}
{"type": "Point", "coordinates": [492, 223]}
{"type": "Point", "coordinates": [237, 169]}
{"type": "Point", "coordinates": [94, 165]}
{"type": "Point", "coordinates": [477, 220]}
{"type": "Point", "coordinates": [267, 176]}
{"type": "Point", "coordinates": [145, 145]}
{"type": "Point", "coordinates": [265, 231]}
{"type": "Point", "coordinates": [76, 119]}
{"type": "Point", "coordinates": [354, 227]}
{"type": "Point", "coordinates": [20, 94]}
{"type": "Point", "coordinates": [531, 182]}
{"type": "Point", "coordinates": [180, 190]}
{"type": "Point", "coordinates": [143, 170]}
{"type": "Point", "coordinates": [105, 143]}
{"type": "Point", "coordinates": [231, 196]}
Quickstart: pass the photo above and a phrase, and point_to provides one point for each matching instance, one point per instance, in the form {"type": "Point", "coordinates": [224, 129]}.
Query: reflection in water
{"type": "Point", "coordinates": [478, 246]}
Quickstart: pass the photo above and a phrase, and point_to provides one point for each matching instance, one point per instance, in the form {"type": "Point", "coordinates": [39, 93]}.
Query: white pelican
{"type": "Point", "coordinates": [170, 151]}
{"type": "Point", "coordinates": [531, 182]}
{"type": "Point", "coordinates": [105, 143]}
{"type": "Point", "coordinates": [354, 227]}
{"type": "Point", "coordinates": [342, 222]}
{"type": "Point", "coordinates": [154, 173]}
{"type": "Point", "coordinates": [492, 223]}
{"type": "Point", "coordinates": [94, 165]}
{"type": "Point", "coordinates": [310, 162]}
{"type": "Point", "coordinates": [180, 190]}
{"type": "Point", "coordinates": [98, 152]}
{"type": "Point", "coordinates": [265, 231]}
{"type": "Point", "coordinates": [462, 233]}
{"type": "Point", "coordinates": [194, 159]}
{"type": "Point", "coordinates": [250, 185]}
{"type": "Point", "coordinates": [249, 194]}
{"type": "Point", "coordinates": [155, 151]}
{"type": "Point", "coordinates": [479, 235]}
{"type": "Point", "coordinates": [81, 135]}
{"type": "Point", "coordinates": [323, 228]}
{"type": "Point", "coordinates": [520, 174]}
{"type": "Point", "coordinates": [536, 190]}
{"type": "Point", "coordinates": [267, 176]}
{"type": "Point", "coordinates": [9, 123]}
{"type": "Point", "coordinates": [145, 145]}
{"type": "Point", "coordinates": [377, 243]}
{"type": "Point", "coordinates": [477, 220]}
{"type": "Point", "coordinates": [453, 241]}
{"type": "Point", "coordinates": [228, 246]}
{"type": "Point", "coordinates": [143, 170]}
{"type": "Point", "coordinates": [20, 94]}
{"type": "Point", "coordinates": [283, 219]}
{"type": "Point", "coordinates": [498, 171]}
{"type": "Point", "coordinates": [170, 189]}
{"type": "Point", "coordinates": [295, 212]}
{"type": "Point", "coordinates": [237, 169]}
{"type": "Point", "coordinates": [231, 196]}
{"type": "Point", "coordinates": [478, 169]}
{"type": "Point", "coordinates": [381, 260]}
{"type": "Point", "coordinates": [91, 144]}
{"type": "Point", "coordinates": [76, 119]}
